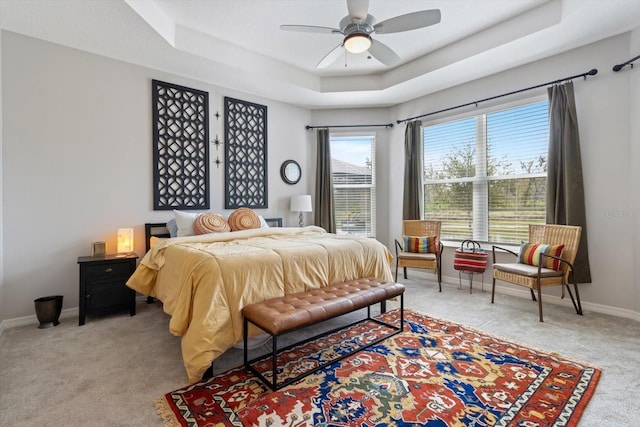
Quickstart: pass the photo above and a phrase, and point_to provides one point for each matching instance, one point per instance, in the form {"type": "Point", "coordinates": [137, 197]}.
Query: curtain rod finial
{"type": "Point", "coordinates": [593, 72]}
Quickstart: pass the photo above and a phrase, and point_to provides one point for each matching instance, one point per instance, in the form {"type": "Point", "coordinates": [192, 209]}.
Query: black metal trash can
{"type": "Point", "coordinates": [48, 310]}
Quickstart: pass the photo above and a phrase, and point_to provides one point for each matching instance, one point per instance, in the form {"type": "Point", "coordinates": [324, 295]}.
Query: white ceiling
{"type": "Point", "coordinates": [238, 43]}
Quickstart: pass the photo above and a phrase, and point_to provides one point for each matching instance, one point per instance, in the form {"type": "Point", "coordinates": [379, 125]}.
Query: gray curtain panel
{"type": "Point", "coordinates": [565, 190]}
{"type": "Point", "coordinates": [324, 215]}
{"type": "Point", "coordinates": [412, 196]}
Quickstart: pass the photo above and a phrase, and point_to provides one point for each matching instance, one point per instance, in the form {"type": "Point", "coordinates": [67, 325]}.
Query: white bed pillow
{"type": "Point", "coordinates": [185, 221]}
{"type": "Point", "coordinates": [263, 223]}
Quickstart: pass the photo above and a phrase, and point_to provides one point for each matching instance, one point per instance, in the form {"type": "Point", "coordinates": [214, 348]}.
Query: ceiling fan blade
{"type": "Point", "coordinates": [358, 10]}
{"type": "Point", "coordinates": [410, 21]}
{"type": "Point", "coordinates": [309, 29]}
{"type": "Point", "coordinates": [383, 53]}
{"type": "Point", "coordinates": [331, 57]}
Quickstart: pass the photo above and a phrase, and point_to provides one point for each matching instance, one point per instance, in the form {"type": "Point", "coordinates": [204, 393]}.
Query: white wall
{"type": "Point", "coordinates": [603, 104]}
{"type": "Point", "coordinates": [634, 158]}
{"type": "Point", "coordinates": [609, 155]}
{"type": "Point", "coordinates": [77, 162]}
{"type": "Point", "coordinates": [1, 187]}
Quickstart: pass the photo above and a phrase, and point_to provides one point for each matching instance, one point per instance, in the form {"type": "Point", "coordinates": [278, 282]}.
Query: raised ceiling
{"type": "Point", "coordinates": [239, 44]}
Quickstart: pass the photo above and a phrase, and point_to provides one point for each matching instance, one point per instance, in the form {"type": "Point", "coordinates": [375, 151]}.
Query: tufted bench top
{"type": "Point", "coordinates": [281, 314]}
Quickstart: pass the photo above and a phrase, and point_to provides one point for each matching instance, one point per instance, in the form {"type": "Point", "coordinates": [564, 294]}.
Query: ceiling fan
{"type": "Point", "coordinates": [358, 26]}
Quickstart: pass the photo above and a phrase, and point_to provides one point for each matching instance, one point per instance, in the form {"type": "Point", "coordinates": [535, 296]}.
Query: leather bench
{"type": "Point", "coordinates": [281, 315]}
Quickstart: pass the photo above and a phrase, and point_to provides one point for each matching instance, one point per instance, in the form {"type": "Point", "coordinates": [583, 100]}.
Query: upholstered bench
{"type": "Point", "coordinates": [278, 316]}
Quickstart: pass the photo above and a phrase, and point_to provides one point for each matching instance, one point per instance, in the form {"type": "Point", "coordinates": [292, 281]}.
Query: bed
{"type": "Point", "coordinates": [204, 281]}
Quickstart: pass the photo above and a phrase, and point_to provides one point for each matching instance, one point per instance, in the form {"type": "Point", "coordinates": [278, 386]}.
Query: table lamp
{"type": "Point", "coordinates": [301, 204]}
{"type": "Point", "coordinates": [125, 240]}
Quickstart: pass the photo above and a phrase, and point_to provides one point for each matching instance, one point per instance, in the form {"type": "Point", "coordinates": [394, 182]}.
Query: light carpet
{"type": "Point", "coordinates": [109, 371]}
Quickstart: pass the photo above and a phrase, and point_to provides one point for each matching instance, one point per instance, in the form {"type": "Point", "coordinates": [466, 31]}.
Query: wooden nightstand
{"type": "Point", "coordinates": [102, 284]}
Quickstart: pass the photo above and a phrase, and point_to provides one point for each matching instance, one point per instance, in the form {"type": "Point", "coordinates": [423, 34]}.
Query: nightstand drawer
{"type": "Point", "coordinates": [108, 271]}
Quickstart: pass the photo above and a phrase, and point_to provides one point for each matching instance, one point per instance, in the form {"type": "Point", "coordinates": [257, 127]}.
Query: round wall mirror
{"type": "Point", "coordinates": [290, 172]}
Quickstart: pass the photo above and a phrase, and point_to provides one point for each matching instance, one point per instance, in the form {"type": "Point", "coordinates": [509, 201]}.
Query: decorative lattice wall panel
{"type": "Point", "coordinates": [245, 154]}
{"type": "Point", "coordinates": [180, 147]}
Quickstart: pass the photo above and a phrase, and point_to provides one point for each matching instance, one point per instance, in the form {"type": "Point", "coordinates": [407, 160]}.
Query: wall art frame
{"type": "Point", "coordinates": [245, 154]}
{"type": "Point", "coordinates": [180, 147]}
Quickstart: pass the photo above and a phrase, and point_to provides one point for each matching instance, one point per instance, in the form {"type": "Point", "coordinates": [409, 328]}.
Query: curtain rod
{"type": "Point", "coordinates": [621, 66]}
{"type": "Point", "coordinates": [591, 72]}
{"type": "Point", "coordinates": [388, 125]}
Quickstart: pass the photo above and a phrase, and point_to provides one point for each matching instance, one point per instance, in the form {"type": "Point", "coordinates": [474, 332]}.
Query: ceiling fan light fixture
{"type": "Point", "coordinates": [357, 42]}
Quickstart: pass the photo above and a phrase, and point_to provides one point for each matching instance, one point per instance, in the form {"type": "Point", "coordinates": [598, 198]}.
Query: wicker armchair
{"type": "Point", "coordinates": [430, 261]}
{"type": "Point", "coordinates": [538, 277]}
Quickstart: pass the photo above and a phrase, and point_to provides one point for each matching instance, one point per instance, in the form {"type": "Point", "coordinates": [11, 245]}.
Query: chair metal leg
{"type": "Point", "coordinates": [577, 306]}
{"type": "Point", "coordinates": [439, 271]}
{"type": "Point", "coordinates": [405, 272]}
{"type": "Point", "coordinates": [575, 286]}
{"type": "Point", "coordinates": [540, 300]}
{"type": "Point", "coordinates": [493, 289]}
{"type": "Point", "coordinates": [396, 279]}
{"type": "Point", "coordinates": [533, 296]}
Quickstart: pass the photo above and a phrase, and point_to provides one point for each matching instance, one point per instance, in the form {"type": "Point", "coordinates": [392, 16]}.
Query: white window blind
{"type": "Point", "coordinates": [354, 184]}
{"type": "Point", "coordinates": [485, 176]}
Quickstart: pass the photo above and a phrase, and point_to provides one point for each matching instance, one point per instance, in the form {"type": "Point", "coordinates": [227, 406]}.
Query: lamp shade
{"type": "Point", "coordinates": [301, 203]}
{"type": "Point", "coordinates": [125, 240]}
{"type": "Point", "coordinates": [357, 42]}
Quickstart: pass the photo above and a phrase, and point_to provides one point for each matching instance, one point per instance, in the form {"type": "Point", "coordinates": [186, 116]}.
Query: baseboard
{"type": "Point", "coordinates": [446, 280]}
{"type": "Point", "coordinates": [566, 302]}
{"type": "Point", "coordinates": [524, 293]}
{"type": "Point", "coordinates": [33, 320]}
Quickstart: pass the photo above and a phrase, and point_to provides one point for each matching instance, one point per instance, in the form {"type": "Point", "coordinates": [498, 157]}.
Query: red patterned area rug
{"type": "Point", "coordinates": [436, 373]}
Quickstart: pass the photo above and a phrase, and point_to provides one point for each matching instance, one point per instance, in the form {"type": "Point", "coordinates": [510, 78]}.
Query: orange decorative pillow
{"type": "Point", "coordinates": [210, 223]}
{"type": "Point", "coordinates": [243, 219]}
{"type": "Point", "coordinates": [421, 245]}
{"type": "Point", "coordinates": [530, 254]}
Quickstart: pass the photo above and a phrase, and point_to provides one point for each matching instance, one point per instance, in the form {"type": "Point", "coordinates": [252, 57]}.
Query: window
{"type": "Point", "coordinates": [485, 176]}
{"type": "Point", "coordinates": [354, 184]}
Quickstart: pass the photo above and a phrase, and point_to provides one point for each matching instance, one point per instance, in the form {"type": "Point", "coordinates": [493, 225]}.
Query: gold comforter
{"type": "Point", "coordinates": [204, 281]}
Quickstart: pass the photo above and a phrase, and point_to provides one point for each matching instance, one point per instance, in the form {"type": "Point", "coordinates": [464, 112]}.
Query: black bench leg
{"type": "Point", "coordinates": [275, 361]}
{"type": "Point", "coordinates": [402, 312]}
{"type": "Point", "coordinates": [208, 373]}
{"type": "Point", "coordinates": [245, 339]}
{"type": "Point", "coordinates": [383, 306]}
